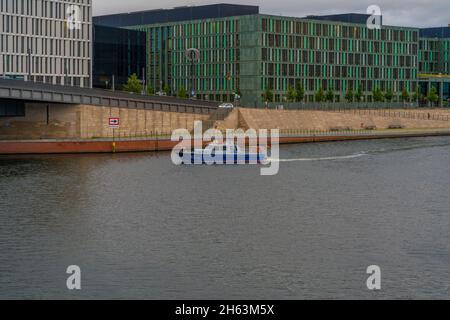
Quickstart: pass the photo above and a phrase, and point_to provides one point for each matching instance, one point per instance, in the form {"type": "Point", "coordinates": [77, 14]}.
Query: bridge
{"type": "Point", "coordinates": [47, 93]}
{"type": "Point", "coordinates": [31, 110]}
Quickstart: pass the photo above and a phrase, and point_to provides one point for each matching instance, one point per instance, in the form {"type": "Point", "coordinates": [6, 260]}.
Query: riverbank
{"type": "Point", "coordinates": [55, 146]}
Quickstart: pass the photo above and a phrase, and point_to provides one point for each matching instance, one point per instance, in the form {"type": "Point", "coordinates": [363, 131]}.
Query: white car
{"type": "Point", "coordinates": [226, 106]}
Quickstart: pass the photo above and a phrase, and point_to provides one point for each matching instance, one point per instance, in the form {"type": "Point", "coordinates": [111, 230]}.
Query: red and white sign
{"type": "Point", "coordinates": [114, 122]}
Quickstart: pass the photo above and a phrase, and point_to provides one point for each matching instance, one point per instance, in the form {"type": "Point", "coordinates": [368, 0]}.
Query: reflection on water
{"type": "Point", "coordinates": [140, 227]}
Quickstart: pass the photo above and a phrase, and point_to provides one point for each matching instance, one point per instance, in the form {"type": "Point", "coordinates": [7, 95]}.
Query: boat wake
{"type": "Point", "coordinates": [364, 153]}
{"type": "Point", "coordinates": [352, 156]}
{"type": "Point", "coordinates": [410, 147]}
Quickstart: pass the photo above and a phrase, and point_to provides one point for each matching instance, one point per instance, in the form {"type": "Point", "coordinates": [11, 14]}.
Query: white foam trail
{"type": "Point", "coordinates": [352, 156]}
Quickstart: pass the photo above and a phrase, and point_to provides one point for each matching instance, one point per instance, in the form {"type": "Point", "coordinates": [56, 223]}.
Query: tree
{"type": "Point", "coordinates": [320, 95]}
{"type": "Point", "coordinates": [150, 90]}
{"type": "Point", "coordinates": [182, 93]}
{"type": "Point", "coordinates": [405, 95]}
{"type": "Point", "coordinates": [417, 95]}
{"type": "Point", "coordinates": [378, 95]}
{"type": "Point", "coordinates": [432, 95]}
{"type": "Point", "coordinates": [291, 94]}
{"type": "Point", "coordinates": [167, 90]}
{"type": "Point", "coordinates": [268, 95]}
{"type": "Point", "coordinates": [300, 91]}
{"type": "Point", "coordinates": [359, 94]}
{"type": "Point", "coordinates": [133, 85]}
{"type": "Point", "coordinates": [389, 95]}
{"type": "Point", "coordinates": [329, 96]}
{"type": "Point", "coordinates": [349, 95]}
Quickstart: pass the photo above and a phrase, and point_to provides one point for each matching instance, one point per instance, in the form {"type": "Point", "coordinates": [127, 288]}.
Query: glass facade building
{"type": "Point", "coordinates": [216, 74]}
{"type": "Point", "coordinates": [118, 53]}
{"type": "Point", "coordinates": [336, 56]}
{"type": "Point", "coordinates": [38, 44]}
{"type": "Point", "coordinates": [434, 61]}
{"type": "Point", "coordinates": [251, 53]}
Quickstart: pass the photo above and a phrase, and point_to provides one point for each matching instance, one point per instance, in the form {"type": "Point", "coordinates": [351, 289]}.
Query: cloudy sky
{"type": "Point", "coordinates": [419, 13]}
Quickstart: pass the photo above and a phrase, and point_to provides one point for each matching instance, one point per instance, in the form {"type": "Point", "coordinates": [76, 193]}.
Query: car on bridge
{"type": "Point", "coordinates": [226, 106]}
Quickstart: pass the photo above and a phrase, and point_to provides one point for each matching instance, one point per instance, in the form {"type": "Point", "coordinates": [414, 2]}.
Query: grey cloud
{"type": "Point", "coordinates": [414, 13]}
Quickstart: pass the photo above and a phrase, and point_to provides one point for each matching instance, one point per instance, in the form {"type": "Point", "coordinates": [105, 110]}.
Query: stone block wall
{"type": "Point", "coordinates": [326, 120]}
{"type": "Point", "coordinates": [58, 121]}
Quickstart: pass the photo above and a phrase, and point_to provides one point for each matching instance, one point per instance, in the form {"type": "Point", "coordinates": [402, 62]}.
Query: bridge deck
{"type": "Point", "coordinates": [39, 92]}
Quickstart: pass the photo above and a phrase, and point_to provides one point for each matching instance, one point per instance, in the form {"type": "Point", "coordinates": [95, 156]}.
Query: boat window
{"type": "Point", "coordinates": [225, 148]}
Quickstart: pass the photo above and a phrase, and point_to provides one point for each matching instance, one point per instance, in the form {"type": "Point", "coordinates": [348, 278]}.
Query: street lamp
{"type": "Point", "coordinates": [237, 99]}
{"type": "Point", "coordinates": [193, 55]}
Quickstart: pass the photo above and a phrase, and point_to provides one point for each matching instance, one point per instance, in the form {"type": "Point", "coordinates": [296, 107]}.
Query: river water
{"type": "Point", "coordinates": [140, 227]}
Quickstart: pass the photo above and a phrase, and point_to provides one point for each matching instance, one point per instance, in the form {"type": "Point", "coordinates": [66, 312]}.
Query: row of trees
{"type": "Point", "coordinates": [134, 85]}
{"type": "Point", "coordinates": [297, 94]}
{"type": "Point", "coordinates": [380, 96]}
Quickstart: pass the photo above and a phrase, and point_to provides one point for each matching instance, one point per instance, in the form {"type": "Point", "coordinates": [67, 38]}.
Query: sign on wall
{"type": "Point", "coordinates": [114, 122]}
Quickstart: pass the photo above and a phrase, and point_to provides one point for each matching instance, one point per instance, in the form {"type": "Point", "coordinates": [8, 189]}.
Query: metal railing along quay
{"type": "Point", "coordinates": [406, 114]}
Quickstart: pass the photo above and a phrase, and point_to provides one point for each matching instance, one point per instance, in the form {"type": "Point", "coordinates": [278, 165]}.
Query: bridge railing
{"type": "Point", "coordinates": [21, 90]}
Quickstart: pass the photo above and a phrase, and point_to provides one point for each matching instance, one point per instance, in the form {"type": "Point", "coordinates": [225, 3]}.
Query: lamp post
{"type": "Point", "coordinates": [193, 55]}
{"type": "Point", "coordinates": [144, 89]}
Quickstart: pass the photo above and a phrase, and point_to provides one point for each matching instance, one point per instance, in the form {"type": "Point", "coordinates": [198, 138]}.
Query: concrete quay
{"type": "Point", "coordinates": [55, 146]}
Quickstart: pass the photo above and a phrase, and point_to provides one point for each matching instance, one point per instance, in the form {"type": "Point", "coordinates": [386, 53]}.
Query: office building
{"type": "Point", "coordinates": [434, 61]}
{"type": "Point", "coordinates": [243, 51]}
{"type": "Point", "coordinates": [46, 41]}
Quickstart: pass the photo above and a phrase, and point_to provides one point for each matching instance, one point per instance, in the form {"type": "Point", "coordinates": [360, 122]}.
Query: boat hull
{"type": "Point", "coordinates": [197, 158]}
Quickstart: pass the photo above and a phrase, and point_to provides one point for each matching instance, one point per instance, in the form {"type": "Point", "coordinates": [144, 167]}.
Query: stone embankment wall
{"type": "Point", "coordinates": [53, 121]}
{"type": "Point", "coordinates": [327, 120]}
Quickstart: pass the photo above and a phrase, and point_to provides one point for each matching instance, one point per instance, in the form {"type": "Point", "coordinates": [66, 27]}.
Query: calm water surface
{"type": "Point", "coordinates": [140, 227]}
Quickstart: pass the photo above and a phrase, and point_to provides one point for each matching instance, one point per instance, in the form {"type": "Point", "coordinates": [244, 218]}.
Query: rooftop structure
{"type": "Point", "coordinates": [214, 11]}
{"type": "Point", "coordinates": [346, 17]}
{"type": "Point", "coordinates": [439, 32]}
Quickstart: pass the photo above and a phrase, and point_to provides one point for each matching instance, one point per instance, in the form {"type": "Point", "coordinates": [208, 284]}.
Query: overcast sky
{"type": "Point", "coordinates": [415, 13]}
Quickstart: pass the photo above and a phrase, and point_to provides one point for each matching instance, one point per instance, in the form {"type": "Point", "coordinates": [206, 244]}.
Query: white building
{"type": "Point", "coordinates": [46, 41]}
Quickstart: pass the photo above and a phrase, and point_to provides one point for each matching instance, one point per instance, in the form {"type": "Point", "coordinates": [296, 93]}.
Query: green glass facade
{"type": "Point", "coordinates": [434, 56]}
{"type": "Point", "coordinates": [336, 56]}
{"type": "Point", "coordinates": [216, 72]}
{"type": "Point", "coordinates": [434, 67]}
{"type": "Point", "coordinates": [252, 53]}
